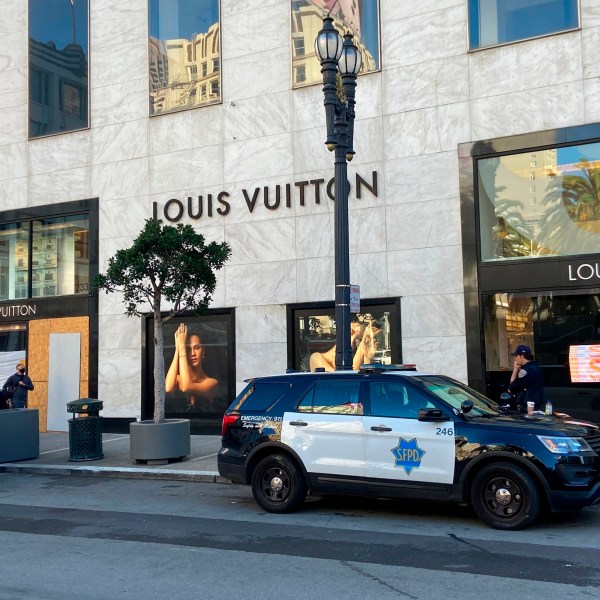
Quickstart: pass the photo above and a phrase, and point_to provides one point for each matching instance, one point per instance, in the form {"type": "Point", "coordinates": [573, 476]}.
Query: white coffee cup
{"type": "Point", "coordinates": [530, 407]}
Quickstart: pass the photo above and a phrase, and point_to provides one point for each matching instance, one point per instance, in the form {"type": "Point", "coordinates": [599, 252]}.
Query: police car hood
{"type": "Point", "coordinates": [539, 424]}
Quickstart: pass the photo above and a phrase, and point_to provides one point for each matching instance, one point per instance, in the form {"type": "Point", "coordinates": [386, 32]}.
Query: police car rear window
{"type": "Point", "coordinates": [261, 396]}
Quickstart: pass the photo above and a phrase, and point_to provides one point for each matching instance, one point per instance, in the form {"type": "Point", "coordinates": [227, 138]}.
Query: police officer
{"type": "Point", "coordinates": [19, 384]}
{"type": "Point", "coordinates": [526, 381]}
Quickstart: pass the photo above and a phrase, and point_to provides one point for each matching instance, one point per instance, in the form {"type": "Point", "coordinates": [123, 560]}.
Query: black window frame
{"type": "Point", "coordinates": [76, 208]}
{"type": "Point", "coordinates": [49, 307]}
{"type": "Point", "coordinates": [160, 104]}
{"type": "Point", "coordinates": [534, 275]}
{"type": "Point", "coordinates": [70, 65]}
{"type": "Point", "coordinates": [199, 423]}
{"type": "Point", "coordinates": [293, 311]}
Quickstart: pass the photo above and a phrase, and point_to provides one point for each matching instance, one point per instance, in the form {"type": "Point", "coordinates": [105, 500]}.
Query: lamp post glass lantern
{"type": "Point", "coordinates": [340, 56]}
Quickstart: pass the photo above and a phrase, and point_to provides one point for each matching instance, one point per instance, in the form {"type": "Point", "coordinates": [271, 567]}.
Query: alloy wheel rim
{"type": "Point", "coordinates": [276, 485]}
{"type": "Point", "coordinates": [503, 497]}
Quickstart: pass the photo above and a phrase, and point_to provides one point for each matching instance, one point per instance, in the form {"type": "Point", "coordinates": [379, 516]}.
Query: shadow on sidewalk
{"type": "Point", "coordinates": [201, 465]}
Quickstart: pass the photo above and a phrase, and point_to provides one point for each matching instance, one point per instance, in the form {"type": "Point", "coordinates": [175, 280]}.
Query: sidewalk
{"type": "Point", "coordinates": [201, 465]}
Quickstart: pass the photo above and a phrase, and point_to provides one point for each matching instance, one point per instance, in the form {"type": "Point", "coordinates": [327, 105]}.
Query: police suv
{"type": "Point", "coordinates": [396, 432]}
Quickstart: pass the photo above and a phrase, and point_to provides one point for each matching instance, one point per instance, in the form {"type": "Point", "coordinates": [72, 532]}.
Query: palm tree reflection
{"type": "Point", "coordinates": [571, 221]}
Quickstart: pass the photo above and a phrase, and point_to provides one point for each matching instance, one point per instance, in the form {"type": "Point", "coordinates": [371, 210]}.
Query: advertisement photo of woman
{"type": "Point", "coordinates": [365, 341]}
{"type": "Point", "coordinates": [186, 372]}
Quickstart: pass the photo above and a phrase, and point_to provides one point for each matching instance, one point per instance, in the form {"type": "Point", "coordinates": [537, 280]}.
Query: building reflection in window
{"type": "Point", "coordinates": [14, 260]}
{"type": "Point", "coordinates": [60, 256]}
{"type": "Point", "coordinates": [58, 66]}
{"type": "Point", "coordinates": [544, 202]}
{"type": "Point", "coordinates": [359, 17]}
{"type": "Point", "coordinates": [41, 258]}
{"type": "Point", "coordinates": [184, 51]}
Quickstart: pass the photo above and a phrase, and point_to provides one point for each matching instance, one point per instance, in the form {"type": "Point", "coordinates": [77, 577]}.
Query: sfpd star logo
{"type": "Point", "coordinates": [408, 455]}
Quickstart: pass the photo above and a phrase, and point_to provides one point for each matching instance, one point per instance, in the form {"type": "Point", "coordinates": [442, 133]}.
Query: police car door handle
{"type": "Point", "coordinates": [380, 428]}
{"type": "Point", "coordinates": [299, 423]}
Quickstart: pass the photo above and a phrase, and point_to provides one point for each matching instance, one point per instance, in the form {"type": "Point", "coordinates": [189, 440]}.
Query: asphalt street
{"type": "Point", "coordinates": [98, 537]}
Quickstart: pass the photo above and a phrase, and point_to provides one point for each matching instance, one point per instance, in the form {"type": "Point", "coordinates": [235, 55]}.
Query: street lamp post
{"type": "Point", "coordinates": [343, 56]}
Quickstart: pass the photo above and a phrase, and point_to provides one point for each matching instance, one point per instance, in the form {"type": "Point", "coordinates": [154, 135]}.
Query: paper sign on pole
{"type": "Point", "coordinates": [355, 298]}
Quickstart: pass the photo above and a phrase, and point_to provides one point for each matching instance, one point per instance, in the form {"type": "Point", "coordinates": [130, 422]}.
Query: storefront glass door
{"type": "Point", "coordinates": [563, 331]}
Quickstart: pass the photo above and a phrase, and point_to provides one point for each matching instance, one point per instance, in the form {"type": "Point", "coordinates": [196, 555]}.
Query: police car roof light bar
{"type": "Point", "coordinates": [379, 368]}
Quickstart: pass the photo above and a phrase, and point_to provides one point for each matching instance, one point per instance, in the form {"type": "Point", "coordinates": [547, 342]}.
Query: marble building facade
{"type": "Point", "coordinates": [430, 96]}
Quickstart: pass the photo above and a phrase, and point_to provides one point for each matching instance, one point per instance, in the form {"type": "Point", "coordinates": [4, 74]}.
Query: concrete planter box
{"type": "Point", "coordinates": [19, 434]}
{"type": "Point", "coordinates": [159, 442]}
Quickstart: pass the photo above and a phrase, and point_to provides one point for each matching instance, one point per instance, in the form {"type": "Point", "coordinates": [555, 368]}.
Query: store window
{"type": "Point", "coordinates": [60, 256]}
{"type": "Point", "coordinates": [184, 38]}
{"type": "Point", "coordinates": [46, 257]}
{"type": "Point", "coordinates": [211, 365]}
{"type": "Point", "coordinates": [550, 323]}
{"type": "Point", "coordinates": [558, 216]}
{"type": "Point", "coordinates": [359, 17]}
{"type": "Point", "coordinates": [535, 276]}
{"type": "Point", "coordinates": [58, 66]}
{"type": "Point", "coordinates": [14, 260]}
{"type": "Point", "coordinates": [374, 336]}
{"type": "Point", "coordinates": [493, 22]}
{"type": "Point", "coordinates": [563, 331]}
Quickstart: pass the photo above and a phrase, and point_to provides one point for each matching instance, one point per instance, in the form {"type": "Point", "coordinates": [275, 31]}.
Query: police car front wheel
{"type": "Point", "coordinates": [505, 496]}
{"type": "Point", "coordinates": [278, 485]}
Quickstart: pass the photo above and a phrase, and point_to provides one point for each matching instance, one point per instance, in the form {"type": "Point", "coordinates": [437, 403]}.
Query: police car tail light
{"type": "Point", "coordinates": [564, 445]}
{"type": "Point", "coordinates": [227, 421]}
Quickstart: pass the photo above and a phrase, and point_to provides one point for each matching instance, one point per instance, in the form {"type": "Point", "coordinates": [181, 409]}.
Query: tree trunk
{"type": "Point", "coordinates": [159, 365]}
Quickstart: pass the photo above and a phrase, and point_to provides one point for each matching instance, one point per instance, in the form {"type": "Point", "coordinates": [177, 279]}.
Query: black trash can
{"type": "Point", "coordinates": [85, 430]}
{"type": "Point", "coordinates": [3, 400]}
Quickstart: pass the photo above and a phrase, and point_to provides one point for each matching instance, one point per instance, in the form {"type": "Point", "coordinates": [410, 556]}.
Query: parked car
{"type": "Point", "coordinates": [391, 431]}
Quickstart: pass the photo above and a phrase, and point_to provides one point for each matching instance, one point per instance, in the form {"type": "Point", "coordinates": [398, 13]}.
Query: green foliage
{"type": "Point", "coordinates": [165, 263]}
{"type": "Point", "coordinates": [581, 193]}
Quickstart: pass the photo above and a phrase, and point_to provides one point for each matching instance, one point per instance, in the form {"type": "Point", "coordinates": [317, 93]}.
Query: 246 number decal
{"type": "Point", "coordinates": [444, 431]}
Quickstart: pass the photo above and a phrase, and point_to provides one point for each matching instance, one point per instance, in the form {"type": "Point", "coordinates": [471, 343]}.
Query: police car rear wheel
{"type": "Point", "coordinates": [505, 497]}
{"type": "Point", "coordinates": [278, 485]}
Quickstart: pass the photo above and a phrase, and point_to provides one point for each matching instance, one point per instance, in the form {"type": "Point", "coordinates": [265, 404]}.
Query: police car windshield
{"type": "Point", "coordinates": [455, 393]}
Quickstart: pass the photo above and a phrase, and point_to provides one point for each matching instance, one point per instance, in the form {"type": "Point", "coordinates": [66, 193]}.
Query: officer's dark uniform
{"type": "Point", "coordinates": [529, 386]}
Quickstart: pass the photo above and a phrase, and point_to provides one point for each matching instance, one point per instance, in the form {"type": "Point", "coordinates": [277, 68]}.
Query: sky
{"type": "Point", "coordinates": [176, 19]}
{"type": "Point", "coordinates": [573, 154]}
{"type": "Point", "coordinates": [51, 20]}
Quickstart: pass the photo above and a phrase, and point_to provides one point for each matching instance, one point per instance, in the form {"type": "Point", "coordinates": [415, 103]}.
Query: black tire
{"type": "Point", "coordinates": [505, 496]}
{"type": "Point", "coordinates": [278, 485]}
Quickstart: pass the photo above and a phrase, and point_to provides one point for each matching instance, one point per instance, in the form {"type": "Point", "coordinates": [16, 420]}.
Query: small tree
{"type": "Point", "coordinates": [165, 263]}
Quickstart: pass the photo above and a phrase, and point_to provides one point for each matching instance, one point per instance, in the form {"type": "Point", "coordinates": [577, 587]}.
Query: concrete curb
{"type": "Point", "coordinates": [122, 472]}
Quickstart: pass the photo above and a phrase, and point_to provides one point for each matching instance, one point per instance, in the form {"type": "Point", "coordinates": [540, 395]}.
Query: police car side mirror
{"type": "Point", "coordinates": [506, 398]}
{"type": "Point", "coordinates": [466, 406]}
{"type": "Point", "coordinates": [432, 415]}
